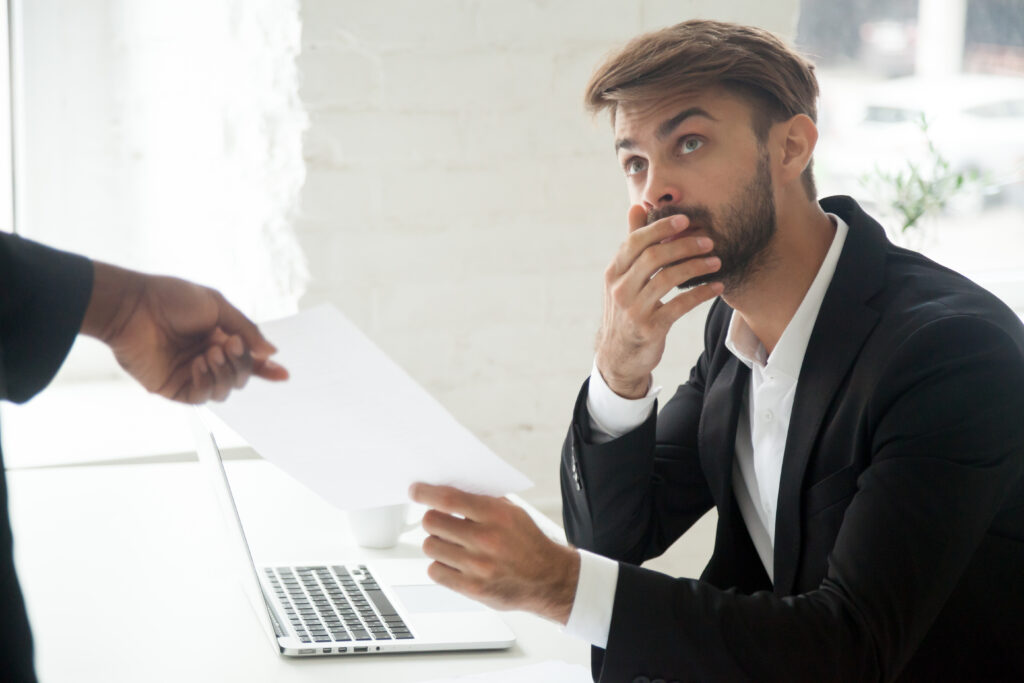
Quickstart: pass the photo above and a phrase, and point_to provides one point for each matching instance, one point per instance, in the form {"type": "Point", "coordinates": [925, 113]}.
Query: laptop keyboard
{"type": "Point", "coordinates": [335, 604]}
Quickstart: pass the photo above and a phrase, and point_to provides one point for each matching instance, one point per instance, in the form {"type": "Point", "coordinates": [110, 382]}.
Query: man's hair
{"type": "Point", "coordinates": [748, 62]}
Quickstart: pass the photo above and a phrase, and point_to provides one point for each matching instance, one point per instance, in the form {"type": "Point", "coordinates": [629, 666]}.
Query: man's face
{"type": "Point", "coordinates": [698, 155]}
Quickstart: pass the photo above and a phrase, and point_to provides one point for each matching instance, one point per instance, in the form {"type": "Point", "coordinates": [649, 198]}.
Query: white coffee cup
{"type": "Point", "coordinates": [380, 527]}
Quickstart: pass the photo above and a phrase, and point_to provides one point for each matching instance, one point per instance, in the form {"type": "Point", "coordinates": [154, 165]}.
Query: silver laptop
{"type": "Point", "coordinates": [333, 608]}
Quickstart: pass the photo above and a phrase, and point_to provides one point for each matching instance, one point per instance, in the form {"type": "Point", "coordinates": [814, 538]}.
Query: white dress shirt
{"type": "Point", "coordinates": [760, 440]}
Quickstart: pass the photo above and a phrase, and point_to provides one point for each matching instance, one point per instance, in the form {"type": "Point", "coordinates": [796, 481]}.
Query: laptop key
{"type": "Point", "coordinates": [382, 602]}
{"type": "Point", "coordinates": [359, 634]}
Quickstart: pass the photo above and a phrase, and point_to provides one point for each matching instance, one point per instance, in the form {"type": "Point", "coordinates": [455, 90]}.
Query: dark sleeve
{"type": "Point", "coordinates": [631, 498]}
{"type": "Point", "coordinates": [43, 296]}
{"type": "Point", "coordinates": [947, 447]}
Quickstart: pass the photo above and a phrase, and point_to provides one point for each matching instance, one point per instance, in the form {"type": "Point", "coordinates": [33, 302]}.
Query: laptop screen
{"type": "Point", "coordinates": [213, 469]}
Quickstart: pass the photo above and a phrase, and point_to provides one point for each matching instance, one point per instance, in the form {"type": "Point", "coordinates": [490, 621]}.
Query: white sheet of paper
{"type": "Point", "coordinates": [351, 424]}
{"type": "Point", "coordinates": [544, 672]}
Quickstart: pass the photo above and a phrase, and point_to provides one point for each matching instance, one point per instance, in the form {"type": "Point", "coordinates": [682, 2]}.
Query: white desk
{"type": "Point", "coordinates": [126, 579]}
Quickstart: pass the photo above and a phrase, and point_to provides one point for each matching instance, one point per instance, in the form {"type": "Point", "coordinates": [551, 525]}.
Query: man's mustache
{"type": "Point", "coordinates": [698, 215]}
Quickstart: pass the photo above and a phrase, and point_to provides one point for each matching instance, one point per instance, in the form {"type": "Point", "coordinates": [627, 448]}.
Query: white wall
{"type": "Point", "coordinates": [460, 206]}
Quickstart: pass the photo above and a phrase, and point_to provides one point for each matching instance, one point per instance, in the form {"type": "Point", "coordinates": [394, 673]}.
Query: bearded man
{"type": "Point", "coordinates": [856, 416]}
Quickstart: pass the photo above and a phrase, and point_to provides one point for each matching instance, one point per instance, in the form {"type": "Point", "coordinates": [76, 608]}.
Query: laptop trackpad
{"type": "Point", "coordinates": [434, 598]}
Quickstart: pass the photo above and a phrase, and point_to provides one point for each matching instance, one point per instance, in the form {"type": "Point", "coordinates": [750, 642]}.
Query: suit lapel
{"type": "Point", "coordinates": [840, 330]}
{"type": "Point", "coordinates": [722, 403]}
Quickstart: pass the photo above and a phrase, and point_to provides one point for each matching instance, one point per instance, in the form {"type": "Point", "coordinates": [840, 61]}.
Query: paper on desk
{"type": "Point", "coordinates": [545, 672]}
{"type": "Point", "coordinates": [351, 424]}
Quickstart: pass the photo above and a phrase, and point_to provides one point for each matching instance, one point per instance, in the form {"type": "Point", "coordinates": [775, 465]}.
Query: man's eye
{"type": "Point", "coordinates": [690, 144]}
{"type": "Point", "coordinates": [636, 165]}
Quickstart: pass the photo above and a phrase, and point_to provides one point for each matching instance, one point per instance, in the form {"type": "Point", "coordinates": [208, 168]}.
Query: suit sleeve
{"type": "Point", "coordinates": [947, 446]}
{"type": "Point", "coordinates": [43, 296]}
{"type": "Point", "coordinates": [630, 498]}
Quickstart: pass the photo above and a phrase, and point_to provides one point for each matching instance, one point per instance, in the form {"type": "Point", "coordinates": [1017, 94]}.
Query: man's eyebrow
{"type": "Point", "coordinates": [666, 128]}
{"type": "Point", "coordinates": [624, 143]}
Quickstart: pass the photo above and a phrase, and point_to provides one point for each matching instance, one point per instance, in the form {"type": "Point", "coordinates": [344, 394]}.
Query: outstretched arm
{"type": "Point", "coordinates": [178, 339]}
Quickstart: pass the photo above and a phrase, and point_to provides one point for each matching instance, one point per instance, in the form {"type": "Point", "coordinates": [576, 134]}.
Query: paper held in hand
{"type": "Point", "coordinates": [351, 424]}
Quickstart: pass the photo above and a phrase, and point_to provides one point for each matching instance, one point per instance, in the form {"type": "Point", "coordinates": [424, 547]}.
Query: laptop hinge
{"type": "Point", "coordinates": [275, 620]}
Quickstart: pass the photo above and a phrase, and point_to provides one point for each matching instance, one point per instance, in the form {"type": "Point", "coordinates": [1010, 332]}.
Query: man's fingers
{"type": "Point", "coordinates": [674, 275]}
{"type": "Point", "coordinates": [686, 250]}
{"type": "Point", "coordinates": [446, 552]}
{"type": "Point", "coordinates": [443, 525]}
{"type": "Point", "coordinates": [268, 369]}
{"type": "Point", "coordinates": [223, 379]}
{"type": "Point", "coordinates": [239, 359]}
{"type": "Point", "coordinates": [451, 500]}
{"type": "Point", "coordinates": [234, 321]}
{"type": "Point", "coordinates": [202, 382]}
{"type": "Point", "coordinates": [218, 337]}
{"type": "Point", "coordinates": [226, 366]}
{"type": "Point", "coordinates": [636, 217]}
{"type": "Point", "coordinates": [643, 237]}
{"type": "Point", "coordinates": [687, 301]}
{"type": "Point", "coordinates": [245, 361]}
{"type": "Point", "coordinates": [448, 577]}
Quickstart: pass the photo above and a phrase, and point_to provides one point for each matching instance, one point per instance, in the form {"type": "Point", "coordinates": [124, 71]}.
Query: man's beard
{"type": "Point", "coordinates": [741, 238]}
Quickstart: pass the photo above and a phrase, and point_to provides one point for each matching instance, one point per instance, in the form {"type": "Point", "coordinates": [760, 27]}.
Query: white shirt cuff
{"type": "Point", "coordinates": [591, 616]}
{"type": "Point", "coordinates": [611, 415]}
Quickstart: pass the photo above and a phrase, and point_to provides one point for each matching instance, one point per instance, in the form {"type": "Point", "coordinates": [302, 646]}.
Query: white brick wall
{"type": "Point", "coordinates": [459, 204]}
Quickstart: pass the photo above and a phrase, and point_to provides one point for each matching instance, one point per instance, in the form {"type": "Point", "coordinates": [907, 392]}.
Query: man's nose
{"type": "Point", "coordinates": [660, 190]}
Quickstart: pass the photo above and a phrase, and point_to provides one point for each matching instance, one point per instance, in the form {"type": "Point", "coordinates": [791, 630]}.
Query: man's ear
{"type": "Point", "coordinates": [798, 136]}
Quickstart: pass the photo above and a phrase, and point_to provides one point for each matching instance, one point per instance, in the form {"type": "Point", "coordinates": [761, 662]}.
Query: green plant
{"type": "Point", "coordinates": [918, 188]}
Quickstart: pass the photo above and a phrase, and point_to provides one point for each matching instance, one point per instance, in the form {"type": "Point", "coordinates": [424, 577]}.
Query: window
{"type": "Point", "coordinates": [932, 90]}
{"type": "Point", "coordinates": [161, 136]}
{"type": "Point", "coordinates": [166, 137]}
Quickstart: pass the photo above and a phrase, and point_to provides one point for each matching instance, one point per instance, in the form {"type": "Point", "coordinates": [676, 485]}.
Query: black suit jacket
{"type": "Point", "coordinates": [43, 296]}
{"type": "Point", "coordinates": [899, 550]}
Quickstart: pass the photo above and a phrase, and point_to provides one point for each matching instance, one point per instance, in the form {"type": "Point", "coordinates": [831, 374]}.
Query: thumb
{"type": "Point", "coordinates": [233, 321]}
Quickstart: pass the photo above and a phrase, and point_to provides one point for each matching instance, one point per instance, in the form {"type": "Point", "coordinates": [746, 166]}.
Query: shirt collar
{"type": "Point", "coordinates": [788, 355]}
